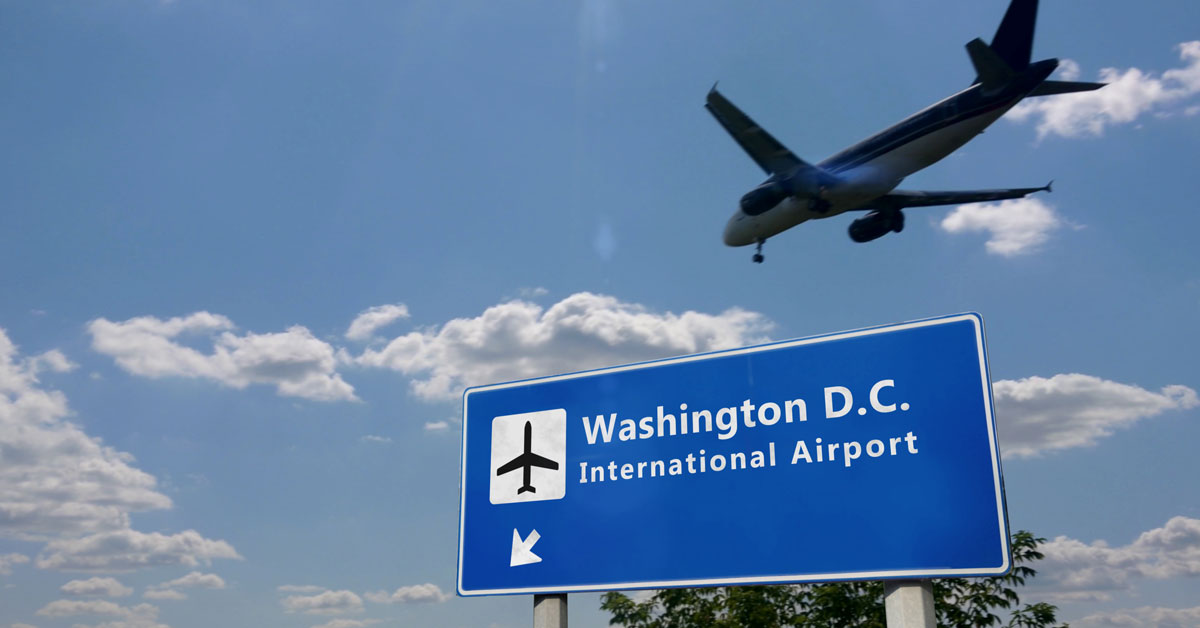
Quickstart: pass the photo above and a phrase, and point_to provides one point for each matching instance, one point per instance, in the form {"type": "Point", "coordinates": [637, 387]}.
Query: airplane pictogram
{"type": "Point", "coordinates": [527, 461]}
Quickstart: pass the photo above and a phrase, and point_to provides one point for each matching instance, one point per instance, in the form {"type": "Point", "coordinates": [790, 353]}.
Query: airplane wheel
{"type": "Point", "coordinates": [758, 258]}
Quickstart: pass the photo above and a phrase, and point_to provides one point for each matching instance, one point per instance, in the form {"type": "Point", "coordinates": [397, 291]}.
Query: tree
{"type": "Point", "coordinates": [958, 602]}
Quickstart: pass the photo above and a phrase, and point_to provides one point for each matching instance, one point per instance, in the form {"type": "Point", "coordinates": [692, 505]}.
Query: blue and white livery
{"type": "Point", "coordinates": [864, 176]}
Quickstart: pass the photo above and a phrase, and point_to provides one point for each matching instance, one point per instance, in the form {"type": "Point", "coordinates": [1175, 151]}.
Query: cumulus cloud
{"type": "Point", "coordinates": [1129, 94]}
{"type": "Point", "coordinates": [1144, 616]}
{"type": "Point", "coordinates": [1015, 227]}
{"type": "Point", "coordinates": [97, 587]}
{"type": "Point", "coordinates": [69, 608]}
{"type": "Point", "coordinates": [52, 360]}
{"type": "Point", "coordinates": [194, 579]}
{"type": "Point", "coordinates": [169, 590]}
{"type": "Point", "coordinates": [326, 603]}
{"type": "Point", "coordinates": [140, 616]}
{"type": "Point", "coordinates": [519, 339]}
{"type": "Point", "coordinates": [125, 550]}
{"type": "Point", "coordinates": [294, 361]}
{"type": "Point", "coordinates": [56, 480]}
{"type": "Point", "coordinates": [416, 593]}
{"type": "Point", "coordinates": [1073, 569]}
{"type": "Point", "coordinates": [374, 318]}
{"type": "Point", "coordinates": [1037, 414]}
{"type": "Point", "coordinates": [8, 560]}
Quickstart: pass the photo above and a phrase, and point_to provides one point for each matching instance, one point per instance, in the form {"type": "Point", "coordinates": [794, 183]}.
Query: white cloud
{"type": "Point", "coordinates": [294, 361]}
{"type": "Point", "coordinates": [140, 616]}
{"type": "Point", "coordinates": [100, 587]}
{"type": "Point", "coordinates": [20, 625]}
{"type": "Point", "coordinates": [54, 360]}
{"type": "Point", "coordinates": [518, 339]}
{"type": "Point", "coordinates": [1016, 226]}
{"type": "Point", "coordinates": [125, 550]}
{"type": "Point", "coordinates": [164, 594]}
{"type": "Point", "coordinates": [1038, 414]}
{"type": "Point", "coordinates": [56, 480]}
{"type": "Point", "coordinates": [8, 560]}
{"type": "Point", "coordinates": [348, 623]}
{"type": "Point", "coordinates": [194, 579]}
{"type": "Point", "coordinates": [380, 440]}
{"type": "Point", "coordinates": [437, 426]}
{"type": "Point", "coordinates": [327, 603]}
{"type": "Point", "coordinates": [1143, 617]}
{"type": "Point", "coordinates": [409, 595]}
{"type": "Point", "coordinates": [1073, 569]}
{"type": "Point", "coordinates": [374, 318]}
{"type": "Point", "coordinates": [1129, 94]}
{"type": "Point", "coordinates": [69, 608]}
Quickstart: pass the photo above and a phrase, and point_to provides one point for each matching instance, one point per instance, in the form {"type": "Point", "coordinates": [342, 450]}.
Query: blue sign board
{"type": "Point", "coordinates": [867, 454]}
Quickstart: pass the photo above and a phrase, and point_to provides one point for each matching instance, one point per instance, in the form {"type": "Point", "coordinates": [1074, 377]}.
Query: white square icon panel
{"type": "Point", "coordinates": [529, 455]}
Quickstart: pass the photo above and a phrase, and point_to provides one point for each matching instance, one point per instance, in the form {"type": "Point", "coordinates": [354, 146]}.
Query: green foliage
{"type": "Point", "coordinates": [958, 602]}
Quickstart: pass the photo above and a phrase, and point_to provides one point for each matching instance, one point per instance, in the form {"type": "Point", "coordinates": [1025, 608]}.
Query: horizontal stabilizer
{"type": "Point", "coordinates": [993, 71]}
{"type": "Point", "coordinates": [1050, 88]}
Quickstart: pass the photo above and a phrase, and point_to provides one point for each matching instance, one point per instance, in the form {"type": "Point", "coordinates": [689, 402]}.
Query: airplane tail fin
{"type": "Point", "coordinates": [1011, 47]}
{"type": "Point", "coordinates": [1011, 51]}
{"type": "Point", "coordinates": [1014, 38]}
{"type": "Point", "coordinates": [526, 489]}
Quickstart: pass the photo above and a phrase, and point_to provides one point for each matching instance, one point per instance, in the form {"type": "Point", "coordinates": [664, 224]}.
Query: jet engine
{"type": "Point", "coordinates": [764, 197]}
{"type": "Point", "coordinates": [876, 224]}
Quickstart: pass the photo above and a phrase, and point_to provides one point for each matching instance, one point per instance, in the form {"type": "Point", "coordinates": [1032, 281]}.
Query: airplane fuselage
{"type": "Point", "coordinates": [875, 166]}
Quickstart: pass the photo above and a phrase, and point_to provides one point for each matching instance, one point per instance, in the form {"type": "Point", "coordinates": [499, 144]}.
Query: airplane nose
{"type": "Point", "coordinates": [736, 230]}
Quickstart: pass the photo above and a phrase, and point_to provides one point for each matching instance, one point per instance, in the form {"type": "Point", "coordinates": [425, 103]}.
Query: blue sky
{"type": "Point", "coordinates": [203, 198]}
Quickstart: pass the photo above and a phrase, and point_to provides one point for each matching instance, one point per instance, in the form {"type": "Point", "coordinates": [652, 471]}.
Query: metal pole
{"type": "Point", "coordinates": [550, 611]}
{"type": "Point", "coordinates": [909, 604]}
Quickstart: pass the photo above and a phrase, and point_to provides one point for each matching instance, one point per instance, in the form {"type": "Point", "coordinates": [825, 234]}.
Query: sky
{"type": "Point", "coordinates": [252, 253]}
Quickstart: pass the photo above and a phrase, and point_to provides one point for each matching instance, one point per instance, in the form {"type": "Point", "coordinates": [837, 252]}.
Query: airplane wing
{"type": "Point", "coordinates": [899, 199]}
{"type": "Point", "coordinates": [538, 461]}
{"type": "Point", "coordinates": [511, 465]}
{"type": "Point", "coordinates": [530, 459]}
{"type": "Point", "coordinates": [765, 150]}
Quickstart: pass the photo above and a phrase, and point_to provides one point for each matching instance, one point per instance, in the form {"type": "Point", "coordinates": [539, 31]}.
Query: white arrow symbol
{"type": "Point", "coordinates": [522, 551]}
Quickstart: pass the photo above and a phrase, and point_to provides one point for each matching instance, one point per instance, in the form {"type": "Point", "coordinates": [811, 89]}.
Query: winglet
{"type": "Point", "coordinates": [1047, 188]}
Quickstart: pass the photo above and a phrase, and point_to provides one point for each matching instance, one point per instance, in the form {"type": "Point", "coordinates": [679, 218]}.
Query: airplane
{"type": "Point", "coordinates": [527, 461]}
{"type": "Point", "coordinates": [864, 176]}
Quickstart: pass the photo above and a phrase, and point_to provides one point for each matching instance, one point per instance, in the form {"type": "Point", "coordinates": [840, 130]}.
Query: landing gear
{"type": "Point", "coordinates": [758, 256]}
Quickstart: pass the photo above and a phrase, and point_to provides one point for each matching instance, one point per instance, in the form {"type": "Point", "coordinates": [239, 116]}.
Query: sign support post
{"type": "Point", "coordinates": [909, 604]}
{"type": "Point", "coordinates": [550, 611]}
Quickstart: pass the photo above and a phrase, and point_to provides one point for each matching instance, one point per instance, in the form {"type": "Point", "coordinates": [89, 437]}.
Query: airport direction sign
{"type": "Point", "coordinates": [868, 454]}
